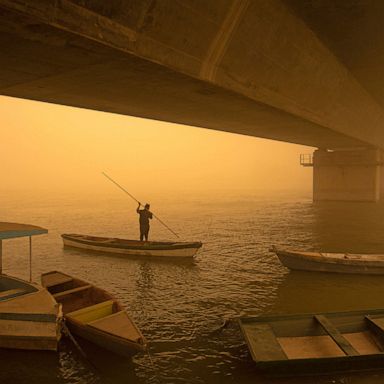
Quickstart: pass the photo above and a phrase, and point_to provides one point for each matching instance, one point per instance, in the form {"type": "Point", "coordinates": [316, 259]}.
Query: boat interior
{"type": "Point", "coordinates": [87, 304]}
{"type": "Point", "coordinates": [316, 336]}
{"type": "Point", "coordinates": [11, 287]}
{"type": "Point", "coordinates": [81, 301]}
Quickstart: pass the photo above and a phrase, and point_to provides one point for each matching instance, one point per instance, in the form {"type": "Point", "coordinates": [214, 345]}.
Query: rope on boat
{"type": "Point", "coordinates": [222, 326]}
{"type": "Point", "coordinates": [226, 322]}
{"type": "Point", "coordinates": [137, 201]}
{"type": "Point", "coordinates": [66, 332]}
{"type": "Point", "coordinates": [153, 367]}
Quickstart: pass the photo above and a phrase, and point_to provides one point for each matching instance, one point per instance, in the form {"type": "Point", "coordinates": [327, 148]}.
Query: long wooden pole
{"type": "Point", "coordinates": [137, 201]}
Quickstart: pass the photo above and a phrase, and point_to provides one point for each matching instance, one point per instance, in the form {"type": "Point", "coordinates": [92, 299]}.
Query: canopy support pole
{"type": "Point", "coordinates": [1, 257]}
{"type": "Point", "coordinates": [30, 258]}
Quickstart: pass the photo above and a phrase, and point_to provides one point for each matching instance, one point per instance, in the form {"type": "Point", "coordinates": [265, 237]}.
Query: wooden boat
{"type": "Point", "coordinates": [316, 343]}
{"type": "Point", "coordinates": [29, 317]}
{"type": "Point", "coordinates": [94, 314]}
{"type": "Point", "coordinates": [132, 247]}
{"type": "Point", "coordinates": [332, 262]}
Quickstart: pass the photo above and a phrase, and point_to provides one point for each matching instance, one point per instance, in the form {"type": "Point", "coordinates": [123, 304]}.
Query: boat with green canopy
{"type": "Point", "coordinates": [29, 316]}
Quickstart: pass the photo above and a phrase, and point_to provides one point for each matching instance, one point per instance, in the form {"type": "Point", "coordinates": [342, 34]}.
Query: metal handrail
{"type": "Point", "coordinates": [306, 159]}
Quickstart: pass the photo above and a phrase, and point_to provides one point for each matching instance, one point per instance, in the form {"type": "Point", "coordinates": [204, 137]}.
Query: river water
{"type": "Point", "coordinates": [179, 306]}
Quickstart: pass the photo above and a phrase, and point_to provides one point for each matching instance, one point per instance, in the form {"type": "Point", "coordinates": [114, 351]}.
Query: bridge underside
{"type": "Point", "coordinates": [84, 74]}
{"type": "Point", "coordinates": [46, 64]}
{"type": "Point", "coordinates": [114, 58]}
{"type": "Point", "coordinates": [305, 72]}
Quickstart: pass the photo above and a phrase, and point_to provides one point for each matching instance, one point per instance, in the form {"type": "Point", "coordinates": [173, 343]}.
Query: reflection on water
{"type": "Point", "coordinates": [327, 292]}
{"type": "Point", "coordinates": [179, 306]}
{"type": "Point", "coordinates": [32, 367]}
{"type": "Point", "coordinates": [349, 227]}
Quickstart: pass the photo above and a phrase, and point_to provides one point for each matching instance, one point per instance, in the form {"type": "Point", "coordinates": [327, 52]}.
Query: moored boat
{"type": "Point", "coordinates": [29, 317]}
{"type": "Point", "coordinates": [332, 262]}
{"type": "Point", "coordinates": [316, 343]}
{"type": "Point", "coordinates": [94, 314]}
{"type": "Point", "coordinates": [132, 247]}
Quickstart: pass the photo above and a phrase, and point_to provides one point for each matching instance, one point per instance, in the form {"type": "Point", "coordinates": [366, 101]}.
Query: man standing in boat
{"type": "Point", "coordinates": [145, 215]}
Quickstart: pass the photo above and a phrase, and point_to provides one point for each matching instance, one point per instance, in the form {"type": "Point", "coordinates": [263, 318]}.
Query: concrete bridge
{"type": "Point", "coordinates": [307, 72]}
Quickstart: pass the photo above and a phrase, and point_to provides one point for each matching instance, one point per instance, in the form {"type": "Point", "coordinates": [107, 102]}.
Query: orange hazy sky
{"type": "Point", "coordinates": [58, 148]}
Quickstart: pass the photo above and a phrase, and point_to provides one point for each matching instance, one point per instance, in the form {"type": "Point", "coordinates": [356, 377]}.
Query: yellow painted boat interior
{"type": "Point", "coordinates": [93, 312]}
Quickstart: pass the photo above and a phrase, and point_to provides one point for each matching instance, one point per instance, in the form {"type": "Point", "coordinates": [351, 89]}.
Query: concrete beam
{"type": "Point", "coordinates": [249, 67]}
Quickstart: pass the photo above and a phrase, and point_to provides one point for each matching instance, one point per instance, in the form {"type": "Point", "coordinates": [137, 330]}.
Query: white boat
{"type": "Point", "coordinates": [29, 316]}
{"type": "Point", "coordinates": [332, 262]}
{"type": "Point", "coordinates": [132, 247]}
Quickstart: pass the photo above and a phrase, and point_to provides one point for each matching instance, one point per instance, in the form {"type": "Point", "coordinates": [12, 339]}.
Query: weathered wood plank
{"type": "Point", "coordinates": [33, 317]}
{"type": "Point", "coordinates": [55, 278]}
{"type": "Point", "coordinates": [34, 302]}
{"type": "Point", "coordinates": [10, 292]}
{"type": "Point", "coordinates": [70, 291]}
{"type": "Point", "coordinates": [262, 342]}
{"type": "Point", "coordinates": [341, 341]}
{"type": "Point", "coordinates": [118, 324]}
{"type": "Point", "coordinates": [379, 322]}
{"type": "Point", "coordinates": [376, 326]}
{"type": "Point", "coordinates": [27, 329]}
{"type": "Point", "coordinates": [92, 312]}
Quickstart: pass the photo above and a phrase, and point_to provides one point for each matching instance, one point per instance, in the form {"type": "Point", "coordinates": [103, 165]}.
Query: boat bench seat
{"type": "Point", "coordinates": [56, 278]}
{"type": "Point", "coordinates": [377, 322]}
{"type": "Point", "coordinates": [92, 312]}
{"type": "Point", "coordinates": [118, 324]}
{"type": "Point", "coordinates": [262, 342]}
{"type": "Point", "coordinates": [340, 340]}
{"type": "Point", "coordinates": [60, 295]}
{"type": "Point", "coordinates": [11, 293]}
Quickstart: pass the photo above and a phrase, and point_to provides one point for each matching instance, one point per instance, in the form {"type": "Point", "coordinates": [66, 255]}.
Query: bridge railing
{"type": "Point", "coordinates": [306, 159]}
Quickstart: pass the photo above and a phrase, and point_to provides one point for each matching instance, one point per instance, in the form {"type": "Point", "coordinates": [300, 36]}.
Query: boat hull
{"type": "Point", "coordinates": [95, 315]}
{"type": "Point", "coordinates": [325, 366]}
{"type": "Point", "coordinates": [29, 319]}
{"type": "Point", "coordinates": [106, 341]}
{"type": "Point", "coordinates": [38, 343]}
{"type": "Point", "coordinates": [312, 262]}
{"type": "Point", "coordinates": [123, 247]}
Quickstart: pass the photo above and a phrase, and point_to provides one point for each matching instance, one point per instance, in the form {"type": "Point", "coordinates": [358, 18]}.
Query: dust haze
{"type": "Point", "coordinates": [53, 148]}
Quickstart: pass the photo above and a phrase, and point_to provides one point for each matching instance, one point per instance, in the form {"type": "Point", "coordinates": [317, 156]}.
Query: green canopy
{"type": "Point", "coordinates": [12, 230]}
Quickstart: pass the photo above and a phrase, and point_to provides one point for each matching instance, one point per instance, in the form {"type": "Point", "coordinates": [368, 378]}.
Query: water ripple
{"type": "Point", "coordinates": [180, 306]}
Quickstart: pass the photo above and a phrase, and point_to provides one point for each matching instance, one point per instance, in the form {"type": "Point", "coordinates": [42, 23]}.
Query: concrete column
{"type": "Point", "coordinates": [348, 175]}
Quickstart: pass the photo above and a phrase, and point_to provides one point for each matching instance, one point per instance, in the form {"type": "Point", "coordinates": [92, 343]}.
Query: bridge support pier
{"type": "Point", "coordinates": [348, 175]}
